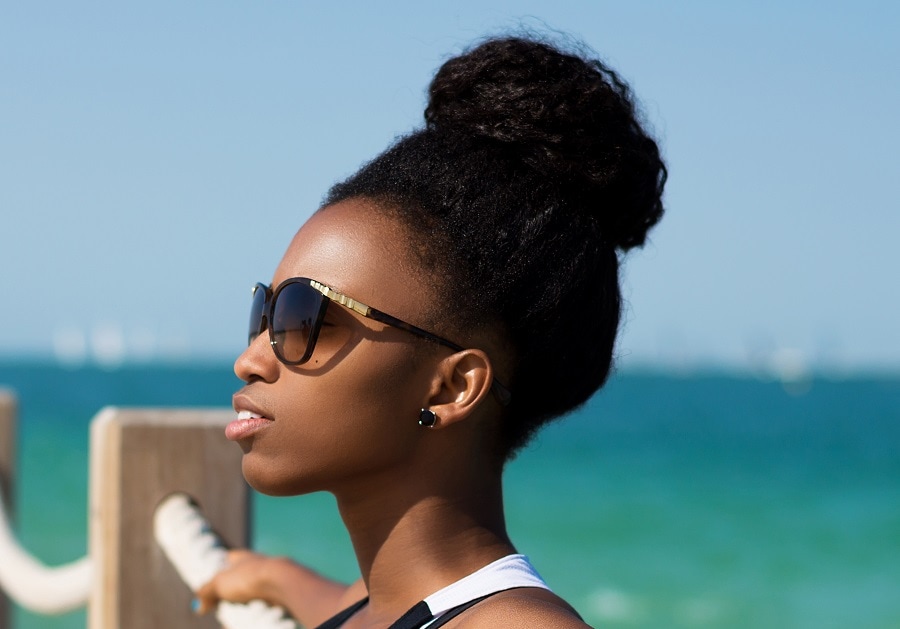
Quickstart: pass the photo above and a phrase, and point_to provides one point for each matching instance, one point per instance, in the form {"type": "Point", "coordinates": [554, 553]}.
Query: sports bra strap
{"type": "Point", "coordinates": [417, 616]}
{"type": "Point", "coordinates": [450, 614]}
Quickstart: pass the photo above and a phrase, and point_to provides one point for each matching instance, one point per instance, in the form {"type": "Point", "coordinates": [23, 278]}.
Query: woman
{"type": "Point", "coordinates": [447, 300]}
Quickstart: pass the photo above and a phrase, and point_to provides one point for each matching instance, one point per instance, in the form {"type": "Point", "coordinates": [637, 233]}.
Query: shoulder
{"type": "Point", "coordinates": [522, 607]}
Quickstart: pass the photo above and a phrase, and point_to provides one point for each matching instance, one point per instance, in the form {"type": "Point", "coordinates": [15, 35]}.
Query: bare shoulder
{"type": "Point", "coordinates": [522, 607]}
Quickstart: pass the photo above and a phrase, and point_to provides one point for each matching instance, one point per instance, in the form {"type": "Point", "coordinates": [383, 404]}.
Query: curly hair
{"type": "Point", "coordinates": [532, 173]}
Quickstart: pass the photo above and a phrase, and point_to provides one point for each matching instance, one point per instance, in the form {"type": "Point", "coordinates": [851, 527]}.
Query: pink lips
{"type": "Point", "coordinates": [246, 425]}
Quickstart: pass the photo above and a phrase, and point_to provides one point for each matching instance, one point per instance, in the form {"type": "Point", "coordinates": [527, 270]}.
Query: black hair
{"type": "Point", "coordinates": [532, 174]}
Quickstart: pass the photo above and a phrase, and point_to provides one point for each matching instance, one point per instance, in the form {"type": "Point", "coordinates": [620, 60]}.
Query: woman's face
{"type": "Point", "coordinates": [351, 412]}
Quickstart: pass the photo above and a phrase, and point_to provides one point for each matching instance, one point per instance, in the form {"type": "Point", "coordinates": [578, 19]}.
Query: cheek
{"type": "Point", "coordinates": [357, 418]}
{"type": "Point", "coordinates": [377, 405]}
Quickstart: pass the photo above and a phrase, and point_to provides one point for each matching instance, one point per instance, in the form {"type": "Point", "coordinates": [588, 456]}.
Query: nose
{"type": "Point", "coordinates": [257, 361]}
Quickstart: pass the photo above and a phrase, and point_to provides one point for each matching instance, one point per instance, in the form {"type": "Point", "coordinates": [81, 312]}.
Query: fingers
{"type": "Point", "coordinates": [241, 581]}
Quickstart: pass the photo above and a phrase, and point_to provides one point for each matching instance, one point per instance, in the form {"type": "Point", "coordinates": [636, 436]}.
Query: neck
{"type": "Point", "coordinates": [423, 536]}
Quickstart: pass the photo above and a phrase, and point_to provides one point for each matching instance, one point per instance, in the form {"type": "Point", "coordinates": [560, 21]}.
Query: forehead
{"type": "Point", "coordinates": [358, 250]}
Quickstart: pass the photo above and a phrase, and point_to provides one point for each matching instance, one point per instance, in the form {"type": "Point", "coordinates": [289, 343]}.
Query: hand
{"type": "Point", "coordinates": [248, 576]}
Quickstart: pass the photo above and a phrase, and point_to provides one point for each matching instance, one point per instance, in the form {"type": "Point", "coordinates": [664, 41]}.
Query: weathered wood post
{"type": "Point", "coordinates": [8, 412]}
{"type": "Point", "coordinates": [138, 457]}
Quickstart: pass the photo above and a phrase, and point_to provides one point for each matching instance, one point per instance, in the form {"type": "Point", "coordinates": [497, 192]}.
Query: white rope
{"type": "Point", "coordinates": [35, 586]}
{"type": "Point", "coordinates": [197, 554]}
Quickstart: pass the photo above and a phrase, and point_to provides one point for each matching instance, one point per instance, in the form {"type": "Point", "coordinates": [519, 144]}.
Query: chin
{"type": "Point", "coordinates": [261, 478]}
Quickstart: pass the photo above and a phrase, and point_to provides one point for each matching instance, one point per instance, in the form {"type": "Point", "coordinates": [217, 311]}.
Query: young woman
{"type": "Point", "coordinates": [446, 301]}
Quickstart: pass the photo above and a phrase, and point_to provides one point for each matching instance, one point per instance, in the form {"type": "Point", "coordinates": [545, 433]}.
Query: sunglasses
{"type": "Point", "coordinates": [293, 314]}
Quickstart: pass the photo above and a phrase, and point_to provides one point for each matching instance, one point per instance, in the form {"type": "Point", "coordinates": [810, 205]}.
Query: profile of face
{"type": "Point", "coordinates": [348, 416]}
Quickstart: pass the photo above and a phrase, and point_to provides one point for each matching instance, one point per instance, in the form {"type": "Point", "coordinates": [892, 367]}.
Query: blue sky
{"type": "Point", "coordinates": [156, 158]}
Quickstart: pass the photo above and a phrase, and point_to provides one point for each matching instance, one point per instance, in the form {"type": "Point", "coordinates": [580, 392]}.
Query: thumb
{"type": "Point", "coordinates": [205, 599]}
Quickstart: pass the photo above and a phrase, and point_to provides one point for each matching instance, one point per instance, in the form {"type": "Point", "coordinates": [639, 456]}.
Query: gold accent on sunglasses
{"type": "Point", "coordinates": [341, 298]}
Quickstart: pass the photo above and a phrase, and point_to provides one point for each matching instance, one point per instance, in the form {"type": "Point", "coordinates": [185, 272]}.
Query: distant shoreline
{"type": "Point", "coordinates": [635, 368]}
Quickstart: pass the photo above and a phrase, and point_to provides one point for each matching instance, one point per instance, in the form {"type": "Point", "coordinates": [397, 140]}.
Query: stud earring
{"type": "Point", "coordinates": [427, 418]}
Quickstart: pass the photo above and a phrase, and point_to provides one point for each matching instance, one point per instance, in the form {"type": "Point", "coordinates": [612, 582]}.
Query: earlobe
{"type": "Point", "coordinates": [462, 381]}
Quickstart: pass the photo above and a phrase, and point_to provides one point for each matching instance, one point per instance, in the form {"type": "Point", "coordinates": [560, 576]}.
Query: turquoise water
{"type": "Point", "coordinates": [669, 501]}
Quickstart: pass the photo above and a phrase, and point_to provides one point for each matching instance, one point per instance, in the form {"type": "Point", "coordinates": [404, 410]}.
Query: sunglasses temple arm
{"type": "Point", "coordinates": [503, 395]}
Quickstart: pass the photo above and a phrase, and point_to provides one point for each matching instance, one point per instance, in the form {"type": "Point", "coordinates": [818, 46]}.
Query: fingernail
{"type": "Point", "coordinates": [195, 605]}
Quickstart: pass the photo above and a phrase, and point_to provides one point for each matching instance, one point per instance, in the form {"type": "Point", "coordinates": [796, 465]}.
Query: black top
{"type": "Point", "coordinates": [418, 614]}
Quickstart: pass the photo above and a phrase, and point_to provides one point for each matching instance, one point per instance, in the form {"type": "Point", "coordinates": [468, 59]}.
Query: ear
{"type": "Point", "coordinates": [461, 381]}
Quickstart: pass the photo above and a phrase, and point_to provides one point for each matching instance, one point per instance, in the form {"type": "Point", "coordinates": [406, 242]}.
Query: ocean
{"type": "Point", "coordinates": [670, 500]}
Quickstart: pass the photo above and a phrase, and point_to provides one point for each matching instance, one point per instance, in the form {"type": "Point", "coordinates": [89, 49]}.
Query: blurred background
{"type": "Point", "coordinates": [740, 470]}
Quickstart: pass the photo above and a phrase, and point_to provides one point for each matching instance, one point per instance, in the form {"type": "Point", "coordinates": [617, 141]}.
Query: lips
{"type": "Point", "coordinates": [249, 421]}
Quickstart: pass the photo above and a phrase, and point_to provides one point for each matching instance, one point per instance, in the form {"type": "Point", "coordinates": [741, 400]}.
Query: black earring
{"type": "Point", "coordinates": [427, 418]}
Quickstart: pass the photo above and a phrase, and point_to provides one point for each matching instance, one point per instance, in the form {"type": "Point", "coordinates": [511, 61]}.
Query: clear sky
{"type": "Point", "coordinates": [156, 158]}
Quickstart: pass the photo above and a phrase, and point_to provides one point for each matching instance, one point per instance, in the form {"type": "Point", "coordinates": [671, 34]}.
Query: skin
{"type": "Point", "coordinates": [423, 506]}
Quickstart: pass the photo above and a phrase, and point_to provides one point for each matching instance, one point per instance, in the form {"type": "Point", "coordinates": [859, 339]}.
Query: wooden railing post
{"type": "Point", "coordinates": [138, 457]}
{"type": "Point", "coordinates": [8, 412]}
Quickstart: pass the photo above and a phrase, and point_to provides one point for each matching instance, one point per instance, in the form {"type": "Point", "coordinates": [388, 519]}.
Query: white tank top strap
{"type": "Point", "coordinates": [512, 571]}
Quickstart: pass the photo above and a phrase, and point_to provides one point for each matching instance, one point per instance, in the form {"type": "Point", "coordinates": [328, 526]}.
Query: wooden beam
{"type": "Point", "coordinates": [8, 416]}
{"type": "Point", "coordinates": [138, 457]}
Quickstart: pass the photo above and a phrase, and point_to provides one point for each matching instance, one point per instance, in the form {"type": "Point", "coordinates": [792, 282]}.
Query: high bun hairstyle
{"type": "Point", "coordinates": [532, 174]}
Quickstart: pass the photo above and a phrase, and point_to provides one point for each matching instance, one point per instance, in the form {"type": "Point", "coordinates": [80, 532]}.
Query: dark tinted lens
{"type": "Point", "coordinates": [296, 309]}
{"type": "Point", "coordinates": [257, 308]}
